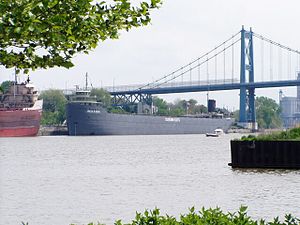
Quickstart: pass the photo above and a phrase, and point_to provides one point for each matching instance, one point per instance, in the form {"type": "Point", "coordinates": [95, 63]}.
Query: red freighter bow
{"type": "Point", "coordinates": [20, 111]}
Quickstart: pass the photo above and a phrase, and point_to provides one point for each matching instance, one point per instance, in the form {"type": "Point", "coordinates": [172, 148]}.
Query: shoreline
{"type": "Point", "coordinates": [59, 130]}
{"type": "Point", "coordinates": [53, 130]}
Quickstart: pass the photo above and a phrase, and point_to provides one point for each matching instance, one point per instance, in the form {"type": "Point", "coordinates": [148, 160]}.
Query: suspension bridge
{"type": "Point", "coordinates": [231, 65]}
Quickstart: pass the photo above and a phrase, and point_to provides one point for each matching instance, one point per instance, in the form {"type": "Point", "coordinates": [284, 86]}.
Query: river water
{"type": "Point", "coordinates": [64, 180]}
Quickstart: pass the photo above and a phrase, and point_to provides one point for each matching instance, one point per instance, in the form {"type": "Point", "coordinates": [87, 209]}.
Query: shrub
{"type": "Point", "coordinates": [292, 134]}
{"type": "Point", "coordinates": [204, 217]}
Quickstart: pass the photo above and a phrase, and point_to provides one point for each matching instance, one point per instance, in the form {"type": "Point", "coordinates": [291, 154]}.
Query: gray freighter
{"type": "Point", "coordinates": [86, 116]}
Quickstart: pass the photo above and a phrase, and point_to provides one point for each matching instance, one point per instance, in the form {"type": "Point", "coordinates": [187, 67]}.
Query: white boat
{"type": "Point", "coordinates": [219, 131]}
{"type": "Point", "coordinates": [212, 135]}
{"type": "Point", "coordinates": [216, 133]}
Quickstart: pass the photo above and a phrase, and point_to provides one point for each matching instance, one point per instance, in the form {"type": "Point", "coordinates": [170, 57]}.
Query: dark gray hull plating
{"type": "Point", "coordinates": [92, 119]}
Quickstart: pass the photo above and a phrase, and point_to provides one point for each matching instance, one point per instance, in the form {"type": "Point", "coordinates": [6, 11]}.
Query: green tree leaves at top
{"type": "Point", "coordinates": [47, 33]}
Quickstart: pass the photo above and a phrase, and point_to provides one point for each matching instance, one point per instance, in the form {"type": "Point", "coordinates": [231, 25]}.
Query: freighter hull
{"type": "Point", "coordinates": [91, 119]}
{"type": "Point", "coordinates": [19, 123]}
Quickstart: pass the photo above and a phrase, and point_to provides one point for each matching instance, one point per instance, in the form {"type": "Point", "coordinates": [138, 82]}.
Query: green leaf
{"type": "Point", "coordinates": [243, 209]}
{"type": "Point", "coordinates": [52, 3]}
{"type": "Point", "coordinates": [17, 30]}
{"type": "Point", "coordinates": [31, 28]}
{"type": "Point", "coordinates": [11, 21]}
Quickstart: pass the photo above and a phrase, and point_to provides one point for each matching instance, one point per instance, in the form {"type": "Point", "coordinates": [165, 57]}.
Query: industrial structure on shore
{"type": "Point", "coordinates": [290, 108]}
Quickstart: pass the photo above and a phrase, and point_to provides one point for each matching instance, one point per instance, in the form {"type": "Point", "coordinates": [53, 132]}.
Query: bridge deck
{"type": "Point", "coordinates": [208, 87]}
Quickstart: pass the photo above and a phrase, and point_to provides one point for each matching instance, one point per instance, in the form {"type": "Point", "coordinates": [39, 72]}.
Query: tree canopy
{"type": "Point", "coordinates": [102, 96]}
{"type": "Point", "coordinates": [47, 33]}
{"type": "Point", "coordinates": [162, 106]}
{"type": "Point", "coordinates": [54, 111]}
{"type": "Point", "coordinates": [179, 107]}
{"type": "Point", "coordinates": [5, 85]}
{"type": "Point", "coordinates": [267, 113]}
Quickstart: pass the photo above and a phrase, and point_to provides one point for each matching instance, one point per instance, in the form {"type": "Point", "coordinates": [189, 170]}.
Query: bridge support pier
{"type": "Point", "coordinates": [247, 96]}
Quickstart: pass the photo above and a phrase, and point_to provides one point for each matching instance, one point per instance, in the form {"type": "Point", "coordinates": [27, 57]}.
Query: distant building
{"type": "Point", "coordinates": [290, 109]}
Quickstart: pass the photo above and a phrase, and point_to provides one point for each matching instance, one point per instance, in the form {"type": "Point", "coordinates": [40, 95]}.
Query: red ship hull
{"type": "Point", "coordinates": [19, 123]}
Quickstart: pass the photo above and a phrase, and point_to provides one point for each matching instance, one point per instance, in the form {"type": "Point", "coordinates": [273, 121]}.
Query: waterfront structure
{"type": "Point", "coordinates": [275, 154]}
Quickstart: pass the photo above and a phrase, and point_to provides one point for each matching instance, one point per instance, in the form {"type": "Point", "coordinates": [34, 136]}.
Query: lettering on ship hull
{"type": "Point", "coordinates": [169, 119]}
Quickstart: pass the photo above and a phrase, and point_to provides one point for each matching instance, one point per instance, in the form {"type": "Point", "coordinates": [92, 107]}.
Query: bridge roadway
{"type": "Point", "coordinates": [208, 87]}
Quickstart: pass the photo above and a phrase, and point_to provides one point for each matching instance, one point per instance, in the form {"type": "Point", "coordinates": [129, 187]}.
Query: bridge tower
{"type": "Point", "coordinates": [247, 96]}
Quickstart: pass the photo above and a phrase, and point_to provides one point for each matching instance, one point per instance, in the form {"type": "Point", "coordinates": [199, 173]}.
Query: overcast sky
{"type": "Point", "coordinates": [180, 32]}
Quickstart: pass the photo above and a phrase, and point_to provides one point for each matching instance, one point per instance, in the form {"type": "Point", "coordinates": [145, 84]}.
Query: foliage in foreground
{"type": "Point", "coordinates": [204, 217]}
{"type": "Point", "coordinates": [291, 134]}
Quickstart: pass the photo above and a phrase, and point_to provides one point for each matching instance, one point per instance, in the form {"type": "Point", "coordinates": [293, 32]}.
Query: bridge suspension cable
{"type": "Point", "coordinates": [262, 51]}
{"type": "Point", "coordinates": [156, 85]}
{"type": "Point", "coordinates": [298, 63]}
{"type": "Point", "coordinates": [232, 62]}
{"type": "Point", "coordinates": [190, 66]}
{"type": "Point", "coordinates": [276, 58]}
{"type": "Point", "coordinates": [271, 62]}
{"type": "Point", "coordinates": [280, 62]}
{"type": "Point", "coordinates": [276, 43]}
